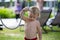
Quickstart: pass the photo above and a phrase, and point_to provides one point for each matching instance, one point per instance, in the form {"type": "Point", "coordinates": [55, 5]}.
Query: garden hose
{"type": "Point", "coordinates": [8, 27]}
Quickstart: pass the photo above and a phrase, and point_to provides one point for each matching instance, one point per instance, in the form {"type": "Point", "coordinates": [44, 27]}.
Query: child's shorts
{"type": "Point", "coordinates": [30, 39]}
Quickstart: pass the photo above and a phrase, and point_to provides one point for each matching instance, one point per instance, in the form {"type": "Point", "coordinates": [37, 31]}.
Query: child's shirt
{"type": "Point", "coordinates": [31, 29]}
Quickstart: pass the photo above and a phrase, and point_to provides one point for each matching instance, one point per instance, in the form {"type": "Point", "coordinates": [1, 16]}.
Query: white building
{"type": "Point", "coordinates": [48, 4]}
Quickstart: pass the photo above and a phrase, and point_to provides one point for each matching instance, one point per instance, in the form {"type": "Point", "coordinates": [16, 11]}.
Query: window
{"type": "Point", "coordinates": [50, 3]}
{"type": "Point", "coordinates": [46, 4]}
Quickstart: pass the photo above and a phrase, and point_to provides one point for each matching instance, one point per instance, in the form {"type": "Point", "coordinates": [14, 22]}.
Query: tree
{"type": "Point", "coordinates": [40, 2]}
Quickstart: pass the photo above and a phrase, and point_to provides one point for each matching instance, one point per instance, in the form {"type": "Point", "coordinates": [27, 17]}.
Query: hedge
{"type": "Point", "coordinates": [6, 13]}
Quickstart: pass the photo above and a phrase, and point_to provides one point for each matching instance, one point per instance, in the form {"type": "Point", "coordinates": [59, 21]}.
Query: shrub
{"type": "Point", "coordinates": [6, 13]}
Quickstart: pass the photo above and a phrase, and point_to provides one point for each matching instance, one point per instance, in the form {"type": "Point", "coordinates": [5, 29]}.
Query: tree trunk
{"type": "Point", "coordinates": [40, 2]}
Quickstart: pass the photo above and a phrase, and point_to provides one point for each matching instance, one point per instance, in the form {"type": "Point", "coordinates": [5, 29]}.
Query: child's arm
{"type": "Point", "coordinates": [26, 19]}
{"type": "Point", "coordinates": [39, 31]}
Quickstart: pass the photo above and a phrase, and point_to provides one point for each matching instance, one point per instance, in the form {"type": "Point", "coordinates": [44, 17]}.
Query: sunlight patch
{"type": "Point", "coordinates": [17, 35]}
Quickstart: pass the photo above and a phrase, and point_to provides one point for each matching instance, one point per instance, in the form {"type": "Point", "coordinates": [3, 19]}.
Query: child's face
{"type": "Point", "coordinates": [33, 15]}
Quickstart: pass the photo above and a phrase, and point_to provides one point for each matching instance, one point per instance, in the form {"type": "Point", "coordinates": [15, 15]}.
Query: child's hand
{"type": "Point", "coordinates": [26, 9]}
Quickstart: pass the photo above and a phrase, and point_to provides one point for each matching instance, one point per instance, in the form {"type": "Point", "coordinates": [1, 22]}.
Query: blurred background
{"type": "Point", "coordinates": [12, 27]}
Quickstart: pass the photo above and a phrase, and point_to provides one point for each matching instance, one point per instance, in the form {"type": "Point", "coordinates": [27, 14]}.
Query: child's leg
{"type": "Point", "coordinates": [16, 16]}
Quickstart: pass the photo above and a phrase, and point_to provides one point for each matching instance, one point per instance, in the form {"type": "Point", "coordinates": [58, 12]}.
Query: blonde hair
{"type": "Point", "coordinates": [35, 10]}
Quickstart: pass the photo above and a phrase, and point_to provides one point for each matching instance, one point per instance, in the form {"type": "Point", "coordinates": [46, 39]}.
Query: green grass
{"type": "Point", "coordinates": [51, 36]}
{"type": "Point", "coordinates": [18, 34]}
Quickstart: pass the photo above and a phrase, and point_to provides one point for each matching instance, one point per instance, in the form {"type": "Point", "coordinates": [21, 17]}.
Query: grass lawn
{"type": "Point", "coordinates": [18, 34]}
